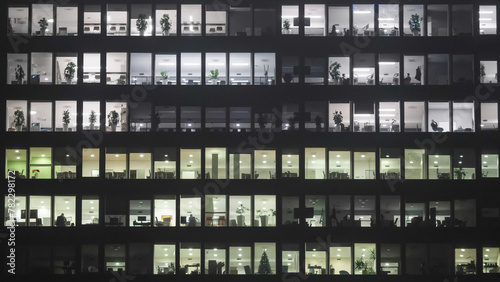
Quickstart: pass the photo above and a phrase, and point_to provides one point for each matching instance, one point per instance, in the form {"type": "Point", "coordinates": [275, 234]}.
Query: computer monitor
{"type": "Point", "coordinates": [183, 220]}
{"type": "Point", "coordinates": [141, 218]}
{"type": "Point", "coordinates": [33, 214]}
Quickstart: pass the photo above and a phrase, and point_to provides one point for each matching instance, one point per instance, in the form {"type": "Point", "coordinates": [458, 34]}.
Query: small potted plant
{"type": "Point", "coordinates": [263, 216]}
{"type": "Point", "coordinates": [334, 72]}
{"type": "Point", "coordinates": [287, 78]}
{"type": "Point", "coordinates": [20, 74]}
{"type": "Point", "coordinates": [166, 24]}
{"type": "Point", "coordinates": [414, 23]}
{"type": "Point", "coordinates": [164, 77]}
{"type": "Point", "coordinates": [92, 119]}
{"type": "Point", "coordinates": [482, 73]}
{"type": "Point", "coordinates": [214, 76]}
{"type": "Point", "coordinates": [459, 173]}
{"type": "Point", "coordinates": [337, 119]}
{"type": "Point", "coordinates": [141, 24]}
{"type": "Point", "coordinates": [262, 120]}
{"type": "Point", "coordinates": [66, 120]}
{"type": "Point", "coordinates": [43, 23]}
{"type": "Point", "coordinates": [286, 26]}
{"type": "Point", "coordinates": [69, 72]}
{"type": "Point", "coordinates": [113, 120]}
{"type": "Point", "coordinates": [318, 120]}
{"type": "Point", "coordinates": [19, 120]}
{"type": "Point", "coordinates": [240, 210]}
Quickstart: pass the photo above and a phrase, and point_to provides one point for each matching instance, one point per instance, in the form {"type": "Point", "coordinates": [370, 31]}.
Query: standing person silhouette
{"type": "Point", "coordinates": [61, 221]}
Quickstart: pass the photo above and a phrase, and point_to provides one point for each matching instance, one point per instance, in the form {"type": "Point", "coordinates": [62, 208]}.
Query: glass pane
{"type": "Point", "coordinates": [364, 211]}
{"type": "Point", "coordinates": [66, 69]}
{"type": "Point", "coordinates": [116, 68]}
{"type": "Point", "coordinates": [15, 211]}
{"type": "Point", "coordinates": [289, 69]}
{"type": "Point", "coordinates": [264, 22]}
{"type": "Point", "coordinates": [215, 119]}
{"type": "Point", "coordinates": [487, 19]}
{"type": "Point", "coordinates": [339, 164]}
{"type": "Point", "coordinates": [240, 211]}
{"type": "Point", "coordinates": [315, 259]}
{"type": "Point", "coordinates": [190, 119]}
{"type": "Point", "coordinates": [289, 19]}
{"type": "Point", "coordinates": [365, 259]}
{"type": "Point", "coordinates": [413, 20]}
{"type": "Point", "coordinates": [140, 213]}
{"type": "Point", "coordinates": [190, 164]}
{"type": "Point", "coordinates": [439, 167]}
{"type": "Point", "coordinates": [65, 160]}
{"type": "Point", "coordinates": [64, 209]}
{"type": "Point", "coordinates": [438, 69]}
{"type": "Point", "coordinates": [314, 19]}
{"type": "Point", "coordinates": [364, 69]}
{"type": "Point", "coordinates": [165, 211]}
{"type": "Point", "coordinates": [364, 165]}
{"type": "Point", "coordinates": [42, 19]}
{"type": "Point", "coordinates": [338, 21]}
{"type": "Point", "coordinates": [141, 117]}
{"type": "Point", "coordinates": [92, 19]}
{"type": "Point", "coordinates": [140, 20]}
{"type": "Point", "coordinates": [315, 163]}
{"type": "Point", "coordinates": [338, 70]}
{"type": "Point", "coordinates": [465, 213]}
{"type": "Point", "coordinates": [315, 71]}
{"type": "Point", "coordinates": [91, 115]}
{"type": "Point", "coordinates": [215, 258]}
{"type": "Point", "coordinates": [265, 258]}
{"type": "Point", "coordinates": [41, 68]}
{"type": "Point", "coordinates": [164, 259]}
{"type": "Point", "coordinates": [67, 21]}
{"type": "Point", "coordinates": [216, 20]}
{"type": "Point", "coordinates": [19, 19]}
{"type": "Point", "coordinates": [390, 259]}
{"type": "Point", "coordinates": [489, 116]}
{"type": "Point", "coordinates": [116, 116]}
{"type": "Point", "coordinates": [114, 257]}
{"type": "Point", "coordinates": [240, 166]}
{"type": "Point", "coordinates": [490, 259]}
{"type": "Point", "coordinates": [15, 161]}
{"type": "Point", "coordinates": [140, 165]}
{"type": "Point", "coordinates": [190, 68]}
{"type": "Point", "coordinates": [290, 212]}
{"type": "Point", "coordinates": [90, 210]}
{"type": "Point", "coordinates": [40, 211]}
{"type": "Point", "coordinates": [290, 163]}
{"type": "Point", "coordinates": [117, 15]}
{"type": "Point", "coordinates": [388, 68]}
{"type": "Point", "coordinates": [465, 261]}
{"type": "Point", "coordinates": [439, 117]}
{"type": "Point", "coordinates": [463, 117]}
{"type": "Point", "coordinates": [240, 260]}
{"type": "Point", "coordinates": [388, 20]}
{"type": "Point", "coordinates": [437, 20]}
{"type": "Point", "coordinates": [90, 162]}
{"type": "Point", "coordinates": [40, 163]}
{"type": "Point", "coordinates": [390, 164]}
{"type": "Point", "coordinates": [314, 212]}
{"type": "Point", "coordinates": [116, 164]}
{"type": "Point", "coordinates": [265, 164]}
{"type": "Point", "coordinates": [463, 69]}
{"type": "Point", "coordinates": [416, 258]}
{"type": "Point", "coordinates": [190, 211]}
{"type": "Point", "coordinates": [215, 211]}
{"type": "Point", "coordinates": [166, 19]}
{"type": "Point", "coordinates": [389, 117]}
{"type": "Point", "coordinates": [239, 119]}
{"type": "Point", "coordinates": [315, 116]}
{"type": "Point", "coordinates": [390, 211]}
{"type": "Point", "coordinates": [264, 68]}
{"type": "Point", "coordinates": [17, 69]}
{"type": "Point", "coordinates": [364, 117]}
{"type": "Point", "coordinates": [339, 116]}
{"type": "Point", "coordinates": [91, 68]}
{"type": "Point", "coordinates": [215, 163]}
{"type": "Point", "coordinates": [462, 20]}
{"type": "Point", "coordinates": [290, 258]}
{"type": "Point", "coordinates": [414, 70]}
{"type": "Point", "coordinates": [489, 165]}
{"type": "Point", "coordinates": [17, 115]}
{"type": "Point", "coordinates": [464, 164]}
{"type": "Point", "coordinates": [191, 19]}
{"type": "Point", "coordinates": [216, 65]}
{"type": "Point", "coordinates": [90, 258]}
{"type": "Point", "coordinates": [363, 20]}
{"type": "Point", "coordinates": [166, 69]}
{"type": "Point", "coordinates": [414, 117]}
{"type": "Point", "coordinates": [41, 117]}
{"type": "Point", "coordinates": [265, 210]}
{"type": "Point", "coordinates": [240, 70]}
{"type": "Point", "coordinates": [340, 259]}
{"type": "Point", "coordinates": [341, 211]}
{"type": "Point", "coordinates": [140, 69]}
{"type": "Point", "coordinates": [165, 119]}
{"type": "Point", "coordinates": [488, 72]}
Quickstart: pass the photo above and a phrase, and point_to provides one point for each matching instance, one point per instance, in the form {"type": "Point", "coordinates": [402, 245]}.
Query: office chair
{"type": "Point", "coordinates": [343, 272]}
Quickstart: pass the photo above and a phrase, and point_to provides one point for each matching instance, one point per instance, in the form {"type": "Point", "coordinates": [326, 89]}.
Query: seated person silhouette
{"type": "Point", "coordinates": [191, 221]}
{"type": "Point", "coordinates": [435, 127]}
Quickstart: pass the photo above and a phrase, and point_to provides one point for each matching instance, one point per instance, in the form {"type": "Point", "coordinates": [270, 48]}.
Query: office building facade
{"type": "Point", "coordinates": [226, 140]}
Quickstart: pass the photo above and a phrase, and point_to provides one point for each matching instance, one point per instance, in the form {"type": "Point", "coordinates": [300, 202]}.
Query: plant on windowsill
{"type": "Point", "coordinates": [35, 172]}
{"type": "Point", "coordinates": [414, 23]}
{"type": "Point", "coordinates": [19, 74]}
{"type": "Point", "coordinates": [459, 173]}
{"type": "Point", "coordinates": [366, 265]}
{"type": "Point", "coordinates": [141, 24]}
{"type": "Point", "coordinates": [262, 120]}
{"type": "Point", "coordinates": [166, 24]}
{"type": "Point", "coordinates": [164, 77]}
{"type": "Point", "coordinates": [482, 73]}
{"type": "Point", "coordinates": [240, 210]}
{"type": "Point", "coordinates": [286, 26]}
{"type": "Point", "coordinates": [337, 119]}
{"type": "Point", "coordinates": [19, 120]}
{"type": "Point", "coordinates": [214, 76]}
{"type": "Point", "coordinates": [66, 120]}
{"type": "Point", "coordinates": [92, 119]}
{"type": "Point", "coordinates": [334, 72]}
{"type": "Point", "coordinates": [69, 72]}
{"type": "Point", "coordinates": [287, 78]}
{"type": "Point", "coordinates": [43, 23]}
{"type": "Point", "coordinates": [113, 120]}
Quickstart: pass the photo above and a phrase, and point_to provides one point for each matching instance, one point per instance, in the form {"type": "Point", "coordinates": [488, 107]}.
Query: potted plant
{"type": "Point", "coordinates": [19, 120]}
{"type": "Point", "coordinates": [113, 120]}
{"type": "Point", "coordinates": [164, 77]}
{"type": "Point", "coordinates": [360, 264]}
{"type": "Point", "coordinates": [337, 119]}
{"type": "Point", "coordinates": [318, 120]}
{"type": "Point", "coordinates": [240, 210]}
{"type": "Point", "coordinates": [69, 72]}
{"type": "Point", "coordinates": [334, 72]}
{"type": "Point", "coordinates": [214, 76]}
{"type": "Point", "coordinates": [262, 120]}
{"type": "Point", "coordinates": [287, 78]}
{"type": "Point", "coordinates": [459, 173]}
{"type": "Point", "coordinates": [43, 23]}
{"type": "Point", "coordinates": [92, 119]}
{"type": "Point", "coordinates": [166, 24]}
{"type": "Point", "coordinates": [286, 26]}
{"type": "Point", "coordinates": [263, 216]}
{"type": "Point", "coordinates": [35, 173]}
{"type": "Point", "coordinates": [141, 24]}
{"type": "Point", "coordinates": [482, 73]}
{"type": "Point", "coordinates": [366, 265]}
{"type": "Point", "coordinates": [20, 74]}
{"type": "Point", "coordinates": [66, 119]}
{"type": "Point", "coordinates": [264, 265]}
{"type": "Point", "coordinates": [414, 23]}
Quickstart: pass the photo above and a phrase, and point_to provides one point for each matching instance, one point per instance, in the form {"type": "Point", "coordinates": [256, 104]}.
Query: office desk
{"type": "Point", "coordinates": [338, 175]}
{"type": "Point", "coordinates": [164, 175]}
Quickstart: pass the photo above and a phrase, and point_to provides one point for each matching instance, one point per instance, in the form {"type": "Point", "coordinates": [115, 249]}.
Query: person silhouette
{"type": "Point", "coordinates": [61, 221]}
{"type": "Point", "coordinates": [435, 127]}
